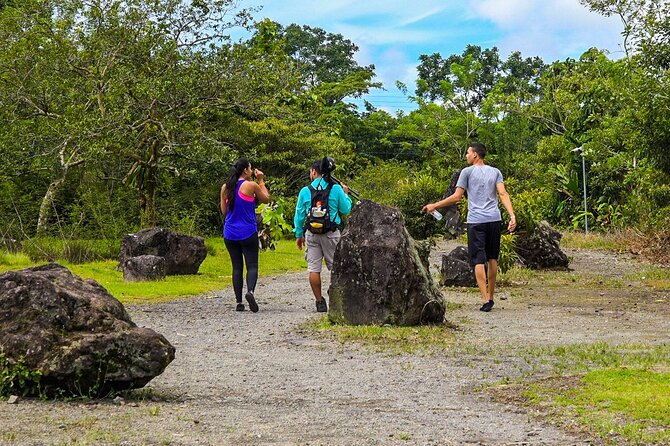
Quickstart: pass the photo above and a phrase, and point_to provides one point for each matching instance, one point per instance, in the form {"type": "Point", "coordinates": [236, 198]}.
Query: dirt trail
{"type": "Point", "coordinates": [259, 379]}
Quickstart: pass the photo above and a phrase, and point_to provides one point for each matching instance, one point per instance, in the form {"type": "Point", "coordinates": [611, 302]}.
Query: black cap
{"type": "Point", "coordinates": [327, 165]}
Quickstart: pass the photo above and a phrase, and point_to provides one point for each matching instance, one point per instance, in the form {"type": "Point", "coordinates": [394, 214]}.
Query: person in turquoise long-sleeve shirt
{"type": "Point", "coordinates": [320, 247]}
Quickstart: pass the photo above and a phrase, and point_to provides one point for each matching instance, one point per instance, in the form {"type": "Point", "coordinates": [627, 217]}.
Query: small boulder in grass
{"type": "Point", "coordinates": [144, 268]}
{"type": "Point", "coordinates": [183, 253]}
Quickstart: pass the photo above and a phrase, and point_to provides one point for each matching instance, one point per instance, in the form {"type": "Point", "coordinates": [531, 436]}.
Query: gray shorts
{"type": "Point", "coordinates": [320, 247]}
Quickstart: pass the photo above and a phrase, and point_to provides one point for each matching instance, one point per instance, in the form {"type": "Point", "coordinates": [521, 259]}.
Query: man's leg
{"type": "Point", "coordinates": [492, 254]}
{"type": "Point", "coordinates": [477, 255]}
{"type": "Point", "coordinates": [480, 275]}
{"type": "Point", "coordinates": [314, 256]}
{"type": "Point", "coordinates": [493, 272]}
{"type": "Point", "coordinates": [315, 283]}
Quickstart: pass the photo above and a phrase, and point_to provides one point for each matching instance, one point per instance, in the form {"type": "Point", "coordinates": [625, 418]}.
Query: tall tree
{"type": "Point", "coordinates": [482, 73]}
{"type": "Point", "coordinates": [323, 57]}
{"type": "Point", "coordinates": [646, 36]}
{"type": "Point", "coordinates": [126, 79]}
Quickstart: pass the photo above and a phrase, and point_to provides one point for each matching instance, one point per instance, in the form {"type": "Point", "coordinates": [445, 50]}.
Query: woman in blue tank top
{"type": "Point", "coordinates": [240, 234]}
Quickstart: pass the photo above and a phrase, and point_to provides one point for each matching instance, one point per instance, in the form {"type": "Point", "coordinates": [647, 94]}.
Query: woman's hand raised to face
{"type": "Point", "coordinates": [258, 174]}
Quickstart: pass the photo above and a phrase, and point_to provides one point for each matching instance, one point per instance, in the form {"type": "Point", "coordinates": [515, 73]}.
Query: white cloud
{"type": "Point", "coordinates": [504, 13]}
{"type": "Point", "coordinates": [553, 29]}
{"type": "Point", "coordinates": [422, 16]}
{"type": "Point", "coordinates": [312, 13]}
{"type": "Point", "coordinates": [379, 35]}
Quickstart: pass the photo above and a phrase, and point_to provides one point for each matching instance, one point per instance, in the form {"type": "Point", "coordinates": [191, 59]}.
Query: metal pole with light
{"type": "Point", "coordinates": [586, 216]}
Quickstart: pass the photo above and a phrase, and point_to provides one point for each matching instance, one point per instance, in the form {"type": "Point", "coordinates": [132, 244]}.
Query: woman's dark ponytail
{"type": "Point", "coordinates": [231, 183]}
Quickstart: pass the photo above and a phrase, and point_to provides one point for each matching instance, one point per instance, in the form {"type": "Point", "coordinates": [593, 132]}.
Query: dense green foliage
{"type": "Point", "coordinates": [17, 378]}
{"type": "Point", "coordinates": [122, 115]}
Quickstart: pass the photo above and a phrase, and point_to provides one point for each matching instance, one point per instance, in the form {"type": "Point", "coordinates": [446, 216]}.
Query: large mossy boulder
{"type": "Point", "coordinates": [71, 337]}
{"type": "Point", "coordinates": [378, 277]}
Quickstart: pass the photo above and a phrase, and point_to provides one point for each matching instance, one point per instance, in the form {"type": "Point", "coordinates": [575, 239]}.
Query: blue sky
{"type": "Point", "coordinates": [392, 34]}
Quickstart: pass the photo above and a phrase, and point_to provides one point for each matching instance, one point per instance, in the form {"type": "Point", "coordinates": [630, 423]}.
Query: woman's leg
{"type": "Point", "coordinates": [235, 250]}
{"type": "Point", "coordinates": [250, 252]}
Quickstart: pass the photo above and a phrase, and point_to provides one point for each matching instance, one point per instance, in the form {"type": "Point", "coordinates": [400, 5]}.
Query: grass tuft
{"type": "Point", "coordinates": [592, 240]}
{"type": "Point", "coordinates": [390, 339]}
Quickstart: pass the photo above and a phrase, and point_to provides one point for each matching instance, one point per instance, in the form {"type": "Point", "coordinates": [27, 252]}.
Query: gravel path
{"type": "Point", "coordinates": [259, 379]}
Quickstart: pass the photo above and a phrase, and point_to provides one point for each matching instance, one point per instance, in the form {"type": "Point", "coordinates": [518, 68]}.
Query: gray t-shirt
{"type": "Point", "coordinates": [480, 183]}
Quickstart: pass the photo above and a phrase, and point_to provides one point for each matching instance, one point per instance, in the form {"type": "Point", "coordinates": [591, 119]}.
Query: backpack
{"type": "Point", "coordinates": [318, 217]}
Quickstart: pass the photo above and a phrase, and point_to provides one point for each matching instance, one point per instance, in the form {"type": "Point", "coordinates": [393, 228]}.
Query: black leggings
{"type": "Point", "coordinates": [247, 248]}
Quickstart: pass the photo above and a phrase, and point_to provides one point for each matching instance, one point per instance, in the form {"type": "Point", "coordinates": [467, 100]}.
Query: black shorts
{"type": "Point", "coordinates": [483, 242]}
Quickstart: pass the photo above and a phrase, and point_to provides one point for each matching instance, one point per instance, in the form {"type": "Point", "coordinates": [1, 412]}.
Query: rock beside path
{"type": "Point", "coordinates": [541, 249]}
{"type": "Point", "coordinates": [378, 276]}
{"type": "Point", "coordinates": [456, 269]}
{"type": "Point", "coordinates": [73, 336]}
{"type": "Point", "coordinates": [183, 254]}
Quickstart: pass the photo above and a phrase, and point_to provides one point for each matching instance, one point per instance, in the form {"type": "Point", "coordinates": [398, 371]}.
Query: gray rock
{"type": "Point", "coordinates": [13, 399]}
{"type": "Point", "coordinates": [378, 277]}
{"type": "Point", "coordinates": [146, 267]}
{"type": "Point", "coordinates": [456, 269]}
{"type": "Point", "coordinates": [183, 254]}
{"type": "Point", "coordinates": [75, 334]}
{"type": "Point", "coordinates": [541, 248]}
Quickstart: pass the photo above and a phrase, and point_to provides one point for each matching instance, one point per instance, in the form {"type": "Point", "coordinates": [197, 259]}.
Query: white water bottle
{"type": "Point", "coordinates": [437, 215]}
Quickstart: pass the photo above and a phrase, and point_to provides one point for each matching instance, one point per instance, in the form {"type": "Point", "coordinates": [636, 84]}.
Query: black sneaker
{"type": "Point", "coordinates": [239, 307]}
{"type": "Point", "coordinates": [487, 306]}
{"type": "Point", "coordinates": [253, 306]}
{"type": "Point", "coordinates": [321, 305]}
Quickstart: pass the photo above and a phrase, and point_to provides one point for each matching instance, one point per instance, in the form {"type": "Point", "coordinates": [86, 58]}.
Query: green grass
{"type": "Point", "coordinates": [576, 358]}
{"type": "Point", "coordinates": [517, 276]}
{"type": "Point", "coordinates": [616, 404]}
{"type": "Point", "coordinates": [214, 273]}
{"type": "Point", "coordinates": [73, 250]}
{"type": "Point", "coordinates": [391, 339]}
{"type": "Point", "coordinates": [592, 240]}
{"type": "Point", "coordinates": [653, 276]}
{"type": "Point", "coordinates": [14, 261]}
{"type": "Point", "coordinates": [620, 393]}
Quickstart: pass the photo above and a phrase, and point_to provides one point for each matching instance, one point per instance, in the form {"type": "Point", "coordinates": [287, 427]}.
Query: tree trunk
{"type": "Point", "coordinates": [149, 219]}
{"type": "Point", "coordinates": [47, 206]}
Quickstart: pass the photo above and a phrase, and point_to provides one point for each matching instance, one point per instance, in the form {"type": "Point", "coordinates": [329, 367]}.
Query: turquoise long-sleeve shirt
{"type": "Point", "coordinates": [339, 204]}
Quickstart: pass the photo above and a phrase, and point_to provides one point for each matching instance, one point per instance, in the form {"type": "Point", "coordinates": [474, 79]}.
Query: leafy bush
{"type": "Point", "coordinates": [508, 257]}
{"type": "Point", "coordinates": [187, 222]}
{"type": "Point", "coordinates": [382, 181]}
{"type": "Point", "coordinates": [16, 378]}
{"type": "Point", "coordinates": [397, 184]}
{"type": "Point", "coordinates": [412, 195]}
{"type": "Point", "coordinates": [531, 207]}
{"type": "Point", "coordinates": [275, 226]}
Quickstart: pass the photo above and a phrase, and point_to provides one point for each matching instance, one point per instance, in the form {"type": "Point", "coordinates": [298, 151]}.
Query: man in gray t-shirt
{"type": "Point", "coordinates": [484, 184]}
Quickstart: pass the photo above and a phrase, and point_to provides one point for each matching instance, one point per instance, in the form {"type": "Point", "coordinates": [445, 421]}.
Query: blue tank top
{"type": "Point", "coordinates": [241, 221]}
